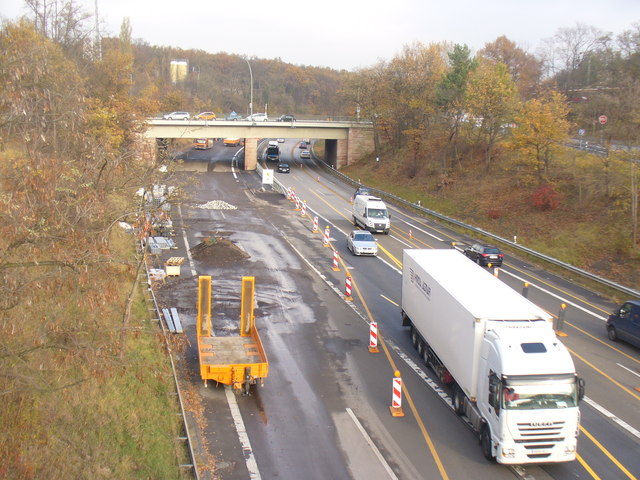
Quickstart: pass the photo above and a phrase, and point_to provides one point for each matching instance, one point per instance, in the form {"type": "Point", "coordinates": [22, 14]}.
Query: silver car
{"type": "Point", "coordinates": [176, 116]}
{"type": "Point", "coordinates": [258, 117]}
{"type": "Point", "coordinates": [362, 242]}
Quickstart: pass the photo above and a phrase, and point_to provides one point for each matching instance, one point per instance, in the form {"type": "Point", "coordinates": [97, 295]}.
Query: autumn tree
{"type": "Point", "coordinates": [541, 130]}
{"type": "Point", "coordinates": [450, 97]}
{"type": "Point", "coordinates": [64, 184]}
{"type": "Point", "coordinates": [567, 50]}
{"type": "Point", "coordinates": [64, 22]}
{"type": "Point", "coordinates": [525, 69]}
{"type": "Point", "coordinates": [491, 99]}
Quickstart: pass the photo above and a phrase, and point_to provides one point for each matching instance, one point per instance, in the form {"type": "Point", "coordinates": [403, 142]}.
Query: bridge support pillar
{"type": "Point", "coordinates": [250, 153]}
{"type": "Point", "coordinates": [342, 154]}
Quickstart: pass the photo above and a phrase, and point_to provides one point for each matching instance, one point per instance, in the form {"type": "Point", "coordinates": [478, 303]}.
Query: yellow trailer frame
{"type": "Point", "coordinates": [238, 360]}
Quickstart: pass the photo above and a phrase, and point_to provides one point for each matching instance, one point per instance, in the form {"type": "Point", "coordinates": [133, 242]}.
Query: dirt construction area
{"type": "Point", "coordinates": [251, 233]}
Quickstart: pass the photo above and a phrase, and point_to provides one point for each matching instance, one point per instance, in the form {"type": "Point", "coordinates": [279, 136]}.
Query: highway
{"type": "Point", "coordinates": [323, 412]}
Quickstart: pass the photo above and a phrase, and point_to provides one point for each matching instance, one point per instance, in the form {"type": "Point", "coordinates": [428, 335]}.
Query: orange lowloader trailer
{"type": "Point", "coordinates": [237, 360]}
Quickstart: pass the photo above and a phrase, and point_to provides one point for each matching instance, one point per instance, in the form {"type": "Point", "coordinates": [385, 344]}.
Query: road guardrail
{"type": "Point", "coordinates": [566, 266]}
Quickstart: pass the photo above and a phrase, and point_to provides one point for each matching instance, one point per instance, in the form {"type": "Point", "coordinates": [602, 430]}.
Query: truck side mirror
{"type": "Point", "coordinates": [581, 388]}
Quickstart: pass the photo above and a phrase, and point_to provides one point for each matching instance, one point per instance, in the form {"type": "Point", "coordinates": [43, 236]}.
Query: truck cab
{"type": "Point", "coordinates": [203, 143]}
{"type": "Point", "coordinates": [529, 400]}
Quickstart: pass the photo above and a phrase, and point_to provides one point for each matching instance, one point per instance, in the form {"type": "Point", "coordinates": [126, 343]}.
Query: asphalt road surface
{"type": "Point", "coordinates": [323, 411]}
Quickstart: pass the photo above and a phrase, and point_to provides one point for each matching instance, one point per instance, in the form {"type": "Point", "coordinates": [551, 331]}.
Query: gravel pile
{"type": "Point", "coordinates": [217, 205]}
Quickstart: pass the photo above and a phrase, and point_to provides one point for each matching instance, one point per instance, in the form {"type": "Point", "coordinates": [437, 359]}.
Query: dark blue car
{"type": "Point", "coordinates": [624, 323]}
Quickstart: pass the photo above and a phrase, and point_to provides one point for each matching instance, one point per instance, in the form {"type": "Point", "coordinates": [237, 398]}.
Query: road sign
{"type": "Point", "coordinates": [602, 119]}
{"type": "Point", "coordinates": [267, 176]}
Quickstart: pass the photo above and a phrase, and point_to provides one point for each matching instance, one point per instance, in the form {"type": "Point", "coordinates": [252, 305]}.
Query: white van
{"type": "Point", "coordinates": [371, 213]}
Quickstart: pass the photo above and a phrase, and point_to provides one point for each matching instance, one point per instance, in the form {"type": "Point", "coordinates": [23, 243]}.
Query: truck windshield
{"type": "Point", "coordinates": [377, 213]}
{"type": "Point", "coordinates": [521, 395]}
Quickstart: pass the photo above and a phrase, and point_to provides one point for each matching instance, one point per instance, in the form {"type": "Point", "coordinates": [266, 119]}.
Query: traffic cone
{"type": "Point", "coordinates": [347, 287]}
{"type": "Point", "coordinates": [396, 398]}
{"type": "Point", "coordinates": [373, 337]}
{"type": "Point", "coordinates": [336, 266]}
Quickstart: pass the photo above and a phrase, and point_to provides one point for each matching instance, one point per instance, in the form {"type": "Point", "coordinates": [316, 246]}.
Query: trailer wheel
{"type": "Point", "coordinates": [422, 348]}
{"type": "Point", "coordinates": [246, 386]}
{"type": "Point", "coordinates": [415, 338]}
{"type": "Point", "coordinates": [426, 357]}
{"type": "Point", "coordinates": [485, 441]}
{"type": "Point", "coordinates": [458, 400]}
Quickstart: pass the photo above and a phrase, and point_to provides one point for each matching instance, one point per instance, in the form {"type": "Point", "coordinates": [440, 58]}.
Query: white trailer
{"type": "Point", "coordinates": [512, 378]}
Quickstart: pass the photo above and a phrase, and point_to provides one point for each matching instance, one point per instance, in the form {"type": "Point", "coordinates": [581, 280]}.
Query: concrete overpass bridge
{"type": "Point", "coordinates": [345, 142]}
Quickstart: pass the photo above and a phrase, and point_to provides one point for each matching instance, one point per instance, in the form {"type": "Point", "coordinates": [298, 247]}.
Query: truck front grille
{"type": "Point", "coordinates": [539, 439]}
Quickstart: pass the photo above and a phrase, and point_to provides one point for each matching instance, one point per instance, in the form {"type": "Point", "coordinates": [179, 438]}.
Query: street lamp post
{"type": "Point", "coordinates": [251, 75]}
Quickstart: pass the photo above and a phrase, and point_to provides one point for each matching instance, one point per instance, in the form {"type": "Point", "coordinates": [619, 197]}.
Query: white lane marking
{"type": "Point", "coordinates": [372, 445]}
{"type": "Point", "coordinates": [235, 159]}
{"type": "Point", "coordinates": [568, 302]}
{"type": "Point", "coordinates": [249, 459]}
{"type": "Point", "coordinates": [186, 244]}
{"type": "Point", "coordinates": [433, 385]}
{"type": "Point", "coordinates": [400, 241]}
{"type": "Point", "coordinates": [628, 369]}
{"type": "Point", "coordinates": [423, 231]}
{"type": "Point", "coordinates": [612, 417]}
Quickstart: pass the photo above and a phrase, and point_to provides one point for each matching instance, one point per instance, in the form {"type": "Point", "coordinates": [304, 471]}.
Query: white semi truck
{"type": "Point", "coordinates": [510, 376]}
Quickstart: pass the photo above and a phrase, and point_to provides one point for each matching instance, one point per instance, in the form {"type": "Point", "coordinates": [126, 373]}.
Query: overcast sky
{"type": "Point", "coordinates": [347, 34]}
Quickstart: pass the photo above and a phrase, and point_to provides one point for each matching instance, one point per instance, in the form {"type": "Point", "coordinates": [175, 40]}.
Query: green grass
{"type": "Point", "coordinates": [97, 400]}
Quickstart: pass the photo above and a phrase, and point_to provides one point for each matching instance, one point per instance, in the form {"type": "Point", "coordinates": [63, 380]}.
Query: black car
{"type": "Point", "coordinates": [361, 191]}
{"type": "Point", "coordinates": [283, 168]}
{"type": "Point", "coordinates": [484, 254]}
{"type": "Point", "coordinates": [287, 118]}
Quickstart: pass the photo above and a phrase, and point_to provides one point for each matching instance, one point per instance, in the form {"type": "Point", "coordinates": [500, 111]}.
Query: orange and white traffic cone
{"type": "Point", "coordinates": [373, 337]}
{"type": "Point", "coordinates": [325, 240]}
{"type": "Point", "coordinates": [336, 266]}
{"type": "Point", "coordinates": [396, 398]}
{"type": "Point", "coordinates": [347, 287]}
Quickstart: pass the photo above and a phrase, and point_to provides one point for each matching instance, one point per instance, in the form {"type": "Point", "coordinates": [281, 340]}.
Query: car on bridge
{"type": "Point", "coordinates": [286, 118]}
{"type": "Point", "coordinates": [205, 116]}
{"type": "Point", "coordinates": [177, 116]}
{"type": "Point", "coordinates": [258, 117]}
